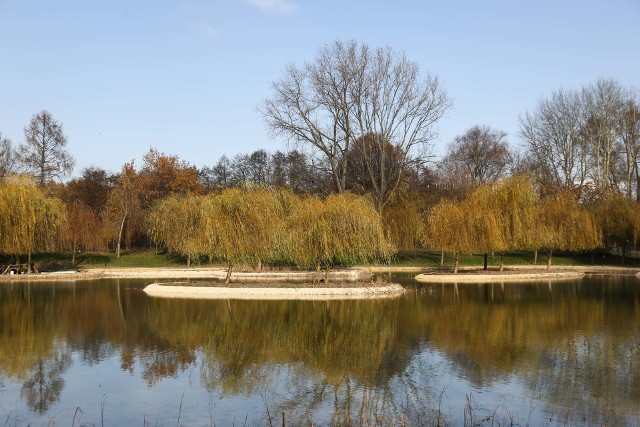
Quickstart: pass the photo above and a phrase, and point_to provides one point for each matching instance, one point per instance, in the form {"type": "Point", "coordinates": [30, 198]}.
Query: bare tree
{"type": "Point", "coordinates": [7, 157]}
{"type": "Point", "coordinates": [553, 141]}
{"type": "Point", "coordinates": [629, 130]}
{"type": "Point", "coordinates": [602, 108]}
{"type": "Point", "coordinates": [43, 154]}
{"type": "Point", "coordinates": [350, 91]}
{"type": "Point", "coordinates": [481, 155]}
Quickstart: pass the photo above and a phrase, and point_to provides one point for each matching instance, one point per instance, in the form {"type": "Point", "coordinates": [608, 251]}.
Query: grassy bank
{"type": "Point", "coordinates": [152, 259]}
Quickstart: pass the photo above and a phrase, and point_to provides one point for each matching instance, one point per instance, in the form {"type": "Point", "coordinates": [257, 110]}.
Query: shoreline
{"type": "Point", "coordinates": [504, 277]}
{"type": "Point", "coordinates": [362, 274]}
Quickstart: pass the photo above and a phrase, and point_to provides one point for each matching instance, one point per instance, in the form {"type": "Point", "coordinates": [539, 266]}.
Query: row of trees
{"type": "Point", "coordinates": [254, 225]}
{"type": "Point", "coordinates": [508, 217]}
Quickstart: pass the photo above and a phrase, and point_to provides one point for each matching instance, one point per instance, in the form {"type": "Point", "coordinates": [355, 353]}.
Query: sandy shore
{"type": "Point", "coordinates": [524, 273]}
{"type": "Point", "coordinates": [175, 290]}
{"type": "Point", "coordinates": [360, 274]}
{"type": "Point", "coordinates": [214, 273]}
{"type": "Point", "coordinates": [497, 277]}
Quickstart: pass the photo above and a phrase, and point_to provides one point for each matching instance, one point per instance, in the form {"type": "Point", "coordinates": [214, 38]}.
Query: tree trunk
{"type": "Point", "coordinates": [457, 262]}
{"type": "Point", "coordinates": [535, 257]}
{"type": "Point", "coordinates": [124, 218]}
{"type": "Point", "coordinates": [29, 262]}
{"type": "Point", "coordinates": [550, 254]}
{"type": "Point", "coordinates": [316, 277]}
{"type": "Point", "coordinates": [441, 258]}
{"type": "Point", "coordinates": [188, 260]}
{"type": "Point", "coordinates": [326, 275]}
{"type": "Point", "coordinates": [73, 251]}
{"type": "Point", "coordinates": [228, 278]}
{"type": "Point", "coordinates": [486, 264]}
{"type": "Point", "coordinates": [502, 262]}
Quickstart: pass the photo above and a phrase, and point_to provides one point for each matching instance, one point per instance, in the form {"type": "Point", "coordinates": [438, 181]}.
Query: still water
{"type": "Point", "coordinates": [103, 353]}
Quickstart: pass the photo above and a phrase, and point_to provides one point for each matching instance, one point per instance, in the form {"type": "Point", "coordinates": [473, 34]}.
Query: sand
{"type": "Point", "coordinates": [173, 290]}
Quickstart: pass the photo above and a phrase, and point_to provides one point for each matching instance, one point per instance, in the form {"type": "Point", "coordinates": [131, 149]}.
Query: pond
{"type": "Point", "coordinates": [103, 353]}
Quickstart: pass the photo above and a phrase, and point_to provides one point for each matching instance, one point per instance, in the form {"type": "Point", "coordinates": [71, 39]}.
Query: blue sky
{"type": "Point", "coordinates": [186, 77]}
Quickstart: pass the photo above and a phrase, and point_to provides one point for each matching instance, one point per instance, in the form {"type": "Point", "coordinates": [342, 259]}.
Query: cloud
{"type": "Point", "coordinates": [282, 6]}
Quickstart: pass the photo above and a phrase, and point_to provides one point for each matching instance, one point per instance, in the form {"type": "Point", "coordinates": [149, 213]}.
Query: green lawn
{"type": "Point", "coordinates": [62, 260]}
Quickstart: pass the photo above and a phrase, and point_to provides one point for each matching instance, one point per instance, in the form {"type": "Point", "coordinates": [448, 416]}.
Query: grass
{"type": "Point", "coordinates": [62, 260]}
{"type": "Point", "coordinates": [432, 259]}
{"type": "Point", "coordinates": [150, 259]}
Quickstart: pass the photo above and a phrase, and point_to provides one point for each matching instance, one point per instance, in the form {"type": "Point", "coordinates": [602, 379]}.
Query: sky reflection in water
{"type": "Point", "coordinates": [528, 353]}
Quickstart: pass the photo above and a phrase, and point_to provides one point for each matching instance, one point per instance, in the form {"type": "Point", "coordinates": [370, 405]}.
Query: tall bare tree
{"type": "Point", "coordinates": [350, 91]}
{"type": "Point", "coordinates": [603, 103]}
{"type": "Point", "coordinates": [7, 158]}
{"type": "Point", "coordinates": [553, 141]}
{"type": "Point", "coordinates": [629, 131]}
{"type": "Point", "coordinates": [44, 154]}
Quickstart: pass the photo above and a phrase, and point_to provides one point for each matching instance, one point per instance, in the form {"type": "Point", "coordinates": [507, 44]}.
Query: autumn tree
{"type": "Point", "coordinates": [124, 214]}
{"type": "Point", "coordinates": [246, 225]}
{"type": "Point", "coordinates": [91, 188]}
{"type": "Point", "coordinates": [349, 91]}
{"type": "Point", "coordinates": [162, 175]}
{"type": "Point", "coordinates": [447, 228]}
{"type": "Point", "coordinates": [619, 220]}
{"type": "Point", "coordinates": [177, 222]}
{"type": "Point", "coordinates": [343, 228]}
{"type": "Point", "coordinates": [517, 204]}
{"type": "Point", "coordinates": [84, 230]}
{"type": "Point", "coordinates": [29, 220]}
{"type": "Point", "coordinates": [403, 222]}
{"type": "Point", "coordinates": [564, 224]}
{"type": "Point", "coordinates": [44, 152]}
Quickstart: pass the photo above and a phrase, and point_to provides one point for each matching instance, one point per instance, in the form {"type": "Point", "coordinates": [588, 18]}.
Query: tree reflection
{"type": "Point", "coordinates": [44, 384]}
{"type": "Point", "coordinates": [576, 345]}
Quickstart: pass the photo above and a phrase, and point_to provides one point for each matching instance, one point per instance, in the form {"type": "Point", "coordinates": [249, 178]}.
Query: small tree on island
{"type": "Point", "coordinates": [246, 225]}
{"type": "Point", "coordinates": [566, 225]}
{"type": "Point", "coordinates": [344, 228]}
{"type": "Point", "coordinates": [446, 228]}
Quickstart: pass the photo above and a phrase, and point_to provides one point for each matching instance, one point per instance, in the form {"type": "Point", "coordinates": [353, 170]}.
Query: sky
{"type": "Point", "coordinates": [187, 77]}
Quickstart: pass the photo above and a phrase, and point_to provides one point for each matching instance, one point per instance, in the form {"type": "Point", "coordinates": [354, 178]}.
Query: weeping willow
{"type": "Point", "coordinates": [247, 225]}
{"type": "Point", "coordinates": [29, 220]}
{"type": "Point", "coordinates": [342, 229]}
{"type": "Point", "coordinates": [177, 223]}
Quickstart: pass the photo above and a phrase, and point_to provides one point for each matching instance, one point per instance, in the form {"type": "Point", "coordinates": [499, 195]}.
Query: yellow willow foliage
{"type": "Point", "coordinates": [344, 228]}
{"type": "Point", "coordinates": [566, 225]}
{"type": "Point", "coordinates": [518, 205]}
{"type": "Point", "coordinates": [247, 225]}
{"type": "Point", "coordinates": [177, 222]}
{"type": "Point", "coordinates": [447, 228]}
{"type": "Point", "coordinates": [483, 219]}
{"type": "Point", "coordinates": [618, 219]}
{"type": "Point", "coordinates": [29, 220]}
{"type": "Point", "coordinates": [403, 225]}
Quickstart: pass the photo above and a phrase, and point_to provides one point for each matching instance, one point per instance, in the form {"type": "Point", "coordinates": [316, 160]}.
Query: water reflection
{"type": "Point", "coordinates": [565, 352]}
